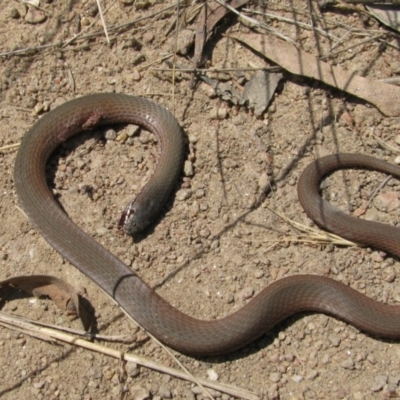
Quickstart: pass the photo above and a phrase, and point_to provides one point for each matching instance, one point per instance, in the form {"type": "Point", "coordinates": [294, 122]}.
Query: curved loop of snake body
{"type": "Point", "coordinates": [276, 302]}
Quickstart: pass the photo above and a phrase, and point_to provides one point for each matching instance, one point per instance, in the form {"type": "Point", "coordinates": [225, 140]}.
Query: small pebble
{"type": "Point", "coordinates": [244, 294]}
{"type": "Point", "coordinates": [258, 273]}
{"type": "Point", "coordinates": [184, 43]}
{"type": "Point", "coordinates": [38, 108]}
{"type": "Point", "coordinates": [196, 273]}
{"type": "Point", "coordinates": [193, 138]}
{"type": "Point", "coordinates": [101, 231]}
{"type": "Point", "coordinates": [122, 137]}
{"type": "Point", "coordinates": [371, 359]}
{"type": "Point", "coordinates": [135, 75]}
{"type": "Point", "coordinates": [375, 256]}
{"type": "Point", "coordinates": [14, 13]}
{"type": "Point", "coordinates": [220, 113]}
{"type": "Point", "coordinates": [212, 375]}
{"type": "Point", "coordinates": [199, 193]}
{"type": "Point", "coordinates": [132, 130]}
{"type": "Point", "coordinates": [188, 169]}
{"type": "Point", "coordinates": [228, 163]}
{"type": "Point", "coordinates": [132, 369]}
{"type": "Point", "coordinates": [264, 182]}
{"type": "Point", "coordinates": [214, 244]}
{"type": "Point", "coordinates": [348, 363]}
{"type": "Point", "coordinates": [312, 375]}
{"type": "Point", "coordinates": [334, 339]}
{"type": "Point", "coordinates": [275, 377]}
{"type": "Point", "coordinates": [195, 208]}
{"type": "Point", "coordinates": [110, 134]}
{"type": "Point", "coordinates": [39, 385]}
{"type": "Point", "coordinates": [95, 373]}
{"type": "Point", "coordinates": [183, 194]}
{"type": "Point", "coordinates": [390, 274]}
{"type": "Point", "coordinates": [297, 378]}
{"type": "Point", "coordinates": [139, 393]}
{"type": "Point", "coordinates": [34, 16]}
{"type": "Point", "coordinates": [387, 202]}
{"type": "Point", "coordinates": [164, 392]}
{"type": "Point", "coordinates": [379, 382]}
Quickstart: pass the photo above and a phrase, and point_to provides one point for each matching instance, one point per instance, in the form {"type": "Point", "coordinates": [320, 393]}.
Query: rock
{"type": "Point", "coordinates": [139, 393]}
{"type": "Point", "coordinates": [387, 202]}
{"type": "Point", "coordinates": [379, 382]}
{"type": "Point", "coordinates": [164, 392]}
{"type": "Point", "coordinates": [34, 16]}
{"type": "Point", "coordinates": [183, 194]}
{"type": "Point", "coordinates": [212, 375]}
{"type": "Point", "coordinates": [297, 378]}
{"type": "Point", "coordinates": [185, 41]}
{"type": "Point", "coordinates": [348, 363]}
{"type": "Point", "coordinates": [110, 134]}
{"type": "Point", "coordinates": [275, 377]}
{"type": "Point", "coordinates": [229, 163]}
{"type": "Point", "coordinates": [132, 369]}
{"type": "Point", "coordinates": [334, 339]}
{"type": "Point", "coordinates": [244, 294]}
{"type": "Point", "coordinates": [188, 169]}
{"type": "Point", "coordinates": [264, 182]}
{"type": "Point", "coordinates": [122, 137]}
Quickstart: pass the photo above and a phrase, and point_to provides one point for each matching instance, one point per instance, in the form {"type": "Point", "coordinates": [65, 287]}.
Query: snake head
{"type": "Point", "coordinates": [131, 222]}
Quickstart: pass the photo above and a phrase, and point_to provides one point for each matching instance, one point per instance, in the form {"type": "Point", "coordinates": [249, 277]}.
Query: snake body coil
{"type": "Point", "coordinates": [278, 301]}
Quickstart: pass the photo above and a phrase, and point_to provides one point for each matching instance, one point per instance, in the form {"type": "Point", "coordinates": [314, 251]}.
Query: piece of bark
{"type": "Point", "coordinates": [210, 15]}
{"type": "Point", "coordinates": [62, 293]}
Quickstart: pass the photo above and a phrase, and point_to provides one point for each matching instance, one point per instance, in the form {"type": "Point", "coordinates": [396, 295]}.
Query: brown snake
{"type": "Point", "coordinates": [276, 302]}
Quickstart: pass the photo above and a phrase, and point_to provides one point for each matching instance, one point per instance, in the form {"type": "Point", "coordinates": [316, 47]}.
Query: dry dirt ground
{"type": "Point", "coordinates": [210, 251]}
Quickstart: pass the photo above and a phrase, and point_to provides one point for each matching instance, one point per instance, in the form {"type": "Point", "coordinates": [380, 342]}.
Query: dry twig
{"type": "Point", "coordinates": [44, 333]}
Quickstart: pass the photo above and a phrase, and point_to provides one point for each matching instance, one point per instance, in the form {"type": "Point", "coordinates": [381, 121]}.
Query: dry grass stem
{"type": "Point", "coordinates": [103, 21]}
{"type": "Point", "coordinates": [248, 21]}
{"type": "Point", "coordinates": [292, 22]}
{"type": "Point", "coordinates": [10, 146]}
{"type": "Point", "coordinates": [80, 36]}
{"type": "Point", "coordinates": [214, 70]}
{"type": "Point", "coordinates": [362, 42]}
{"type": "Point", "coordinates": [385, 145]}
{"type": "Point", "coordinates": [158, 60]}
{"type": "Point", "coordinates": [44, 333]}
{"type": "Point", "coordinates": [313, 235]}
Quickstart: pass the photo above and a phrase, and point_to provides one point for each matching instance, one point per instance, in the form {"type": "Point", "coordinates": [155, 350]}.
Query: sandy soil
{"type": "Point", "coordinates": [211, 251]}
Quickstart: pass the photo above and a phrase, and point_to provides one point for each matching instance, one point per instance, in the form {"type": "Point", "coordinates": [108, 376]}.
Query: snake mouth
{"type": "Point", "coordinates": [125, 217]}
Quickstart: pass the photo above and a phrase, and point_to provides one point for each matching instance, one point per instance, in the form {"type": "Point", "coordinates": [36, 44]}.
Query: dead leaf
{"type": "Point", "coordinates": [388, 14]}
{"type": "Point", "coordinates": [382, 95]}
{"type": "Point", "coordinates": [259, 90]}
{"type": "Point", "coordinates": [62, 293]}
{"type": "Point", "coordinates": [210, 15]}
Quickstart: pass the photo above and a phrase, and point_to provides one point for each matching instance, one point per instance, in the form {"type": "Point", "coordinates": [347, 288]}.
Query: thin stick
{"type": "Point", "coordinates": [88, 36]}
{"type": "Point", "coordinates": [254, 22]}
{"type": "Point", "coordinates": [10, 146]}
{"type": "Point", "coordinates": [214, 70]}
{"type": "Point", "coordinates": [14, 322]}
{"type": "Point", "coordinates": [293, 22]}
{"type": "Point", "coordinates": [103, 21]}
{"type": "Point", "coordinates": [385, 145]}
{"type": "Point", "coordinates": [370, 39]}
